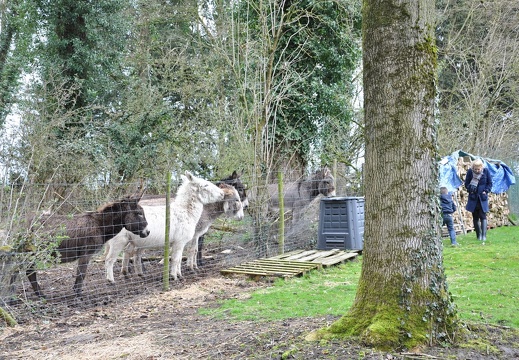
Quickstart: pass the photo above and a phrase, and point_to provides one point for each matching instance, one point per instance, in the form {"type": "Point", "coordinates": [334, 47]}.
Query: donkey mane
{"type": "Point", "coordinates": [186, 200]}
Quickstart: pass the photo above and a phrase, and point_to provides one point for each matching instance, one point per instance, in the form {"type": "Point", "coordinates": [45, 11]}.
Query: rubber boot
{"type": "Point", "coordinates": [477, 228]}
{"type": "Point", "coordinates": [484, 224]}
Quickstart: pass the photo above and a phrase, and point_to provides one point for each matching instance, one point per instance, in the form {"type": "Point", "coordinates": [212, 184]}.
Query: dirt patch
{"type": "Point", "coordinates": [167, 325]}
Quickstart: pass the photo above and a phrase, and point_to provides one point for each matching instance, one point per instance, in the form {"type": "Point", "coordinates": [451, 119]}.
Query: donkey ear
{"type": "Point", "coordinates": [189, 176]}
{"type": "Point", "coordinates": [138, 194]}
{"type": "Point", "coordinates": [235, 175]}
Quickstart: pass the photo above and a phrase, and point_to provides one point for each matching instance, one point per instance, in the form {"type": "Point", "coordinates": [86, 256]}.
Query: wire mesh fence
{"type": "Point", "coordinates": [228, 242]}
{"type": "Point", "coordinates": [513, 191]}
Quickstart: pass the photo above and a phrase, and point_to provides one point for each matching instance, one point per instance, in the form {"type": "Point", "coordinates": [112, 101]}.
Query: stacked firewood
{"type": "Point", "coordinates": [498, 204]}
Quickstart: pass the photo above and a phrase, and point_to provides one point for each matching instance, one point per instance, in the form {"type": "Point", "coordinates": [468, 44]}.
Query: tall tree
{"type": "Point", "coordinates": [18, 23]}
{"type": "Point", "coordinates": [75, 79]}
{"type": "Point", "coordinates": [479, 72]}
{"type": "Point", "coordinates": [402, 300]}
{"type": "Point", "coordinates": [302, 53]}
{"type": "Point", "coordinates": [174, 99]}
{"type": "Point", "coordinates": [85, 41]}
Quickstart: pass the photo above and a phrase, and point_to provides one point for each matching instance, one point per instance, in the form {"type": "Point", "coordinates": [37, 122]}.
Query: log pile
{"type": "Point", "coordinates": [498, 204]}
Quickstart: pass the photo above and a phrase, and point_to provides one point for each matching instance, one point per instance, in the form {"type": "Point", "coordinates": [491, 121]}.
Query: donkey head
{"type": "Point", "coordinates": [126, 213]}
{"type": "Point", "coordinates": [327, 183]}
{"type": "Point", "coordinates": [232, 205]}
{"type": "Point", "coordinates": [235, 181]}
{"type": "Point", "coordinates": [206, 191]}
{"type": "Point", "coordinates": [322, 182]}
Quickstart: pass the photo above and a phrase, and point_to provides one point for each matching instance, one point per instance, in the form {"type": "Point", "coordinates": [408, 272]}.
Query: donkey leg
{"type": "Point", "coordinates": [12, 288]}
{"type": "Point", "coordinates": [191, 253]}
{"type": "Point", "coordinates": [82, 266]}
{"type": "Point", "coordinates": [199, 260]}
{"type": "Point", "coordinates": [176, 260]}
{"type": "Point", "coordinates": [114, 248]}
{"type": "Point", "coordinates": [137, 261]}
{"type": "Point", "coordinates": [31, 275]}
{"type": "Point", "coordinates": [125, 264]}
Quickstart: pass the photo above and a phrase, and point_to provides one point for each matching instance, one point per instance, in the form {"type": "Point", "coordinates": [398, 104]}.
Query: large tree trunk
{"type": "Point", "coordinates": [402, 300]}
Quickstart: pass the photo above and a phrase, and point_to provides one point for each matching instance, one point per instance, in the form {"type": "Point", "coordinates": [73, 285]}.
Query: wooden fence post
{"type": "Point", "coordinates": [281, 214]}
{"type": "Point", "coordinates": [165, 270]}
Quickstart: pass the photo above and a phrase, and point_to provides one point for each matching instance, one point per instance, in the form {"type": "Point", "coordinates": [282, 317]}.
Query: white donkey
{"type": "Point", "coordinates": [231, 206]}
{"type": "Point", "coordinates": [185, 212]}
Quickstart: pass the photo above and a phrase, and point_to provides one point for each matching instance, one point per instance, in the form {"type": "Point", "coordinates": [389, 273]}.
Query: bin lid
{"type": "Point", "coordinates": [343, 198]}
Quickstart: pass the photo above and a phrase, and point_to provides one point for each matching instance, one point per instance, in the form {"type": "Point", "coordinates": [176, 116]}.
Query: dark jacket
{"type": "Point", "coordinates": [447, 204]}
{"type": "Point", "coordinates": [475, 195]}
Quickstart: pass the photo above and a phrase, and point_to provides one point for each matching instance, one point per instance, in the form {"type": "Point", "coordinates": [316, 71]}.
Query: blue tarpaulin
{"type": "Point", "coordinates": [502, 175]}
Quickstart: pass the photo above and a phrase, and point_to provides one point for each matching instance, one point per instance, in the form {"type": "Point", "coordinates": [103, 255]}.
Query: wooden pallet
{"type": "Point", "coordinates": [323, 257]}
{"type": "Point", "coordinates": [295, 263]}
{"type": "Point", "coordinates": [272, 267]}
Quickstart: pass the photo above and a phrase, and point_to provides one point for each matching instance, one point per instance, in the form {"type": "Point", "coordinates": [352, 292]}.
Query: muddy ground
{"type": "Point", "coordinates": [140, 321]}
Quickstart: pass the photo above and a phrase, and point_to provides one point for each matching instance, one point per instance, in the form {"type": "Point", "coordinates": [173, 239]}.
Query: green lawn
{"type": "Point", "coordinates": [483, 279]}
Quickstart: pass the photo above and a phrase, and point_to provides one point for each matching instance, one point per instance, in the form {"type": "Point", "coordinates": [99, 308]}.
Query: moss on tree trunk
{"type": "Point", "coordinates": [381, 319]}
{"type": "Point", "coordinates": [7, 318]}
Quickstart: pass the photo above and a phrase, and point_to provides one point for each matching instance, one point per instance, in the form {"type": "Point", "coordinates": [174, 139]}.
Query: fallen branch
{"type": "Point", "coordinates": [224, 227]}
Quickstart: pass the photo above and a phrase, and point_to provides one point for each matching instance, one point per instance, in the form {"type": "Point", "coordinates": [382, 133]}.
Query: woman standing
{"type": "Point", "coordinates": [478, 183]}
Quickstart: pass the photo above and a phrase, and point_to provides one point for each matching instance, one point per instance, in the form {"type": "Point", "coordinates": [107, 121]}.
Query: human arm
{"type": "Point", "coordinates": [454, 208]}
{"type": "Point", "coordinates": [488, 185]}
{"type": "Point", "coordinates": [468, 179]}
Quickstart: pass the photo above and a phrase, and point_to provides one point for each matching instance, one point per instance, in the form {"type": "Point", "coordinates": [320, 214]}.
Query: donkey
{"type": "Point", "coordinates": [85, 234]}
{"type": "Point", "coordinates": [235, 181]}
{"type": "Point", "coordinates": [186, 210]}
{"type": "Point", "coordinates": [230, 206]}
{"type": "Point", "coordinates": [301, 193]}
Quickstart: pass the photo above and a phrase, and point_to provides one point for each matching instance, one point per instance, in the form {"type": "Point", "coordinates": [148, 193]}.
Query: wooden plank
{"type": "Point", "coordinates": [301, 255]}
{"type": "Point", "coordinates": [284, 263]}
{"type": "Point", "coordinates": [336, 259]}
{"type": "Point", "coordinates": [285, 255]}
{"type": "Point", "coordinates": [239, 271]}
{"type": "Point", "coordinates": [270, 270]}
{"type": "Point", "coordinates": [284, 266]}
{"type": "Point", "coordinates": [321, 254]}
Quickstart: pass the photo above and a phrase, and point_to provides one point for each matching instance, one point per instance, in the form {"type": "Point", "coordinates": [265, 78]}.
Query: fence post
{"type": "Point", "coordinates": [281, 213]}
{"type": "Point", "coordinates": [165, 270]}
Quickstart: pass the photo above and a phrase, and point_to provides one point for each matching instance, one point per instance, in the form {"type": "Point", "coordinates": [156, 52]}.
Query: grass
{"type": "Point", "coordinates": [483, 280]}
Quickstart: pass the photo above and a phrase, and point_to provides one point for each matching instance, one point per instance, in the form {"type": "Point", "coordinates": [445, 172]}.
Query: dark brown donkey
{"type": "Point", "coordinates": [84, 235]}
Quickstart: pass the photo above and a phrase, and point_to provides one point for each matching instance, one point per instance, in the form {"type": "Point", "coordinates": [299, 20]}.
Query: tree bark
{"type": "Point", "coordinates": [402, 300]}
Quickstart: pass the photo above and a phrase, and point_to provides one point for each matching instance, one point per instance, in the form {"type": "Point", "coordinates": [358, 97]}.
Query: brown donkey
{"type": "Point", "coordinates": [85, 234]}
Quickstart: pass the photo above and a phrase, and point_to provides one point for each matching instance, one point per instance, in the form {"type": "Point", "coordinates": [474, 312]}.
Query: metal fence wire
{"type": "Point", "coordinates": [513, 191]}
{"type": "Point", "coordinates": [227, 243]}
